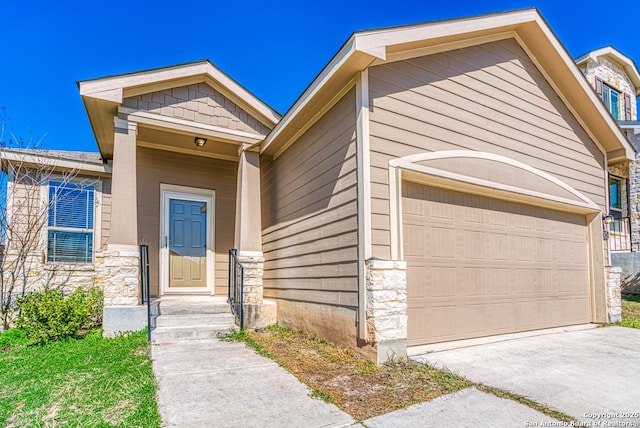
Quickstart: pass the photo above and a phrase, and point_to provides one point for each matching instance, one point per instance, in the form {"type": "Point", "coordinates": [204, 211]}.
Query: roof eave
{"type": "Point", "coordinates": [57, 163]}
{"type": "Point", "coordinates": [338, 73]}
{"type": "Point", "coordinates": [527, 26]}
{"type": "Point", "coordinates": [627, 63]}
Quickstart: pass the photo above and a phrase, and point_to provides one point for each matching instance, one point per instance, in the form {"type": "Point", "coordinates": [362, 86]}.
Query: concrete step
{"type": "Point", "coordinates": [178, 334]}
{"type": "Point", "coordinates": [193, 305]}
{"type": "Point", "coordinates": [191, 320]}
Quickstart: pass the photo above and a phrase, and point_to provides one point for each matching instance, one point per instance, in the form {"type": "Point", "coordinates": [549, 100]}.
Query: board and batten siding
{"type": "Point", "coordinates": [489, 98]}
{"type": "Point", "coordinates": [309, 213]}
{"type": "Point", "coordinates": [155, 167]}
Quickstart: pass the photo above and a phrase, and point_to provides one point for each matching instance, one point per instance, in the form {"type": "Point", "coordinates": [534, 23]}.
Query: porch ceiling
{"type": "Point", "coordinates": [183, 143]}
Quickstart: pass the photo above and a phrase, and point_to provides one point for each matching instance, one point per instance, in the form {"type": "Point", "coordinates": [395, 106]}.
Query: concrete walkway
{"type": "Point", "coordinates": [205, 383]}
{"type": "Point", "coordinates": [585, 374]}
{"type": "Point", "coordinates": [210, 383]}
{"type": "Point", "coordinates": [466, 408]}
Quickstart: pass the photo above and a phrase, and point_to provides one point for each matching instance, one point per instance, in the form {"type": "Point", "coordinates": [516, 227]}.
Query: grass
{"type": "Point", "coordinates": [630, 311]}
{"type": "Point", "coordinates": [552, 413]}
{"type": "Point", "coordinates": [357, 386]}
{"type": "Point", "coordinates": [93, 382]}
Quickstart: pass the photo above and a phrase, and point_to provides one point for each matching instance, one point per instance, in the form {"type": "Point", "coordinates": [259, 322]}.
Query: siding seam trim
{"type": "Point", "coordinates": [364, 193]}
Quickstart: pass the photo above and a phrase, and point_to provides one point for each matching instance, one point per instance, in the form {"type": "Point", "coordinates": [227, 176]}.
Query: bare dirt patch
{"type": "Point", "coordinates": [357, 386]}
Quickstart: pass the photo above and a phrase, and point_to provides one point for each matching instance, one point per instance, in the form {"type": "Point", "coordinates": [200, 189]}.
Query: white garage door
{"type": "Point", "coordinates": [478, 266]}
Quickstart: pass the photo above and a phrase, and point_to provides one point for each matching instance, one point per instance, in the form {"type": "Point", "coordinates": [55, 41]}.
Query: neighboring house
{"type": "Point", "coordinates": [616, 80]}
{"type": "Point", "coordinates": [435, 182]}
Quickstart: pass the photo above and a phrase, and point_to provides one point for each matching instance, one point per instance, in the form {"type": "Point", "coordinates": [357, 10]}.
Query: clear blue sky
{"type": "Point", "coordinates": [274, 49]}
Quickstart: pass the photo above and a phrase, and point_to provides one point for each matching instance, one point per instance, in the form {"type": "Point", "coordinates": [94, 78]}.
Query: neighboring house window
{"type": "Point", "coordinates": [70, 225]}
{"type": "Point", "coordinates": [610, 97]}
{"type": "Point", "coordinates": [615, 196]}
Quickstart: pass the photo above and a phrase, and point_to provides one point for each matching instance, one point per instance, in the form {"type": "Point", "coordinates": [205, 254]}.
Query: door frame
{"type": "Point", "coordinates": [171, 191]}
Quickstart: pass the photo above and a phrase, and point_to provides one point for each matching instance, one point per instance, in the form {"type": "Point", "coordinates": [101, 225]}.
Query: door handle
{"type": "Point", "coordinates": [166, 242]}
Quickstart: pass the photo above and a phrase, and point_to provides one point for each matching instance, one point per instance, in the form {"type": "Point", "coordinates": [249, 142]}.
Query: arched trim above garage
{"type": "Point", "coordinates": [480, 173]}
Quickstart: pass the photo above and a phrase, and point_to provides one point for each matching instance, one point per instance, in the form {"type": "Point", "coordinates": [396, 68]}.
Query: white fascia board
{"type": "Point", "coordinates": [106, 84]}
{"type": "Point", "coordinates": [375, 43]}
{"type": "Point", "coordinates": [241, 92]}
{"type": "Point", "coordinates": [54, 162]}
{"type": "Point", "coordinates": [113, 88]}
{"type": "Point", "coordinates": [334, 65]}
{"type": "Point", "coordinates": [575, 71]}
{"type": "Point", "coordinates": [372, 41]}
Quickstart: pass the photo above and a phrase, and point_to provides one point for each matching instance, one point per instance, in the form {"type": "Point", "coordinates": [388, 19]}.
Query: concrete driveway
{"type": "Point", "coordinates": [584, 374]}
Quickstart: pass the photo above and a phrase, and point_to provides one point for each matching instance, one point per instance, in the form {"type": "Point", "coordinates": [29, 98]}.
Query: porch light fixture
{"type": "Point", "coordinates": [199, 141]}
{"type": "Point", "coordinates": [607, 219]}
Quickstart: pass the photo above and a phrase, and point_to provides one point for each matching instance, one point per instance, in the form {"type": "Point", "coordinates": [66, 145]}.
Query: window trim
{"type": "Point", "coordinates": [607, 90]}
{"type": "Point", "coordinates": [620, 180]}
{"type": "Point", "coordinates": [96, 182]}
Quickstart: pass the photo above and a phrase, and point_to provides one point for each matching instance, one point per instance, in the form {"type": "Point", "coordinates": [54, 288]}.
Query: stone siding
{"type": "Point", "coordinates": [386, 284]}
{"type": "Point", "coordinates": [121, 273]}
{"type": "Point", "coordinates": [614, 298]}
{"type": "Point", "coordinates": [253, 270]}
{"type": "Point", "coordinates": [199, 103]}
{"type": "Point", "coordinates": [614, 76]}
{"type": "Point", "coordinates": [66, 276]}
{"type": "Point", "coordinates": [634, 203]}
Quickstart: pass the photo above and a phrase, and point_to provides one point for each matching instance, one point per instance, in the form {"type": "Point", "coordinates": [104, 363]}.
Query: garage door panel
{"type": "Point", "coordinates": [416, 241]}
{"type": "Point", "coordinates": [478, 266]}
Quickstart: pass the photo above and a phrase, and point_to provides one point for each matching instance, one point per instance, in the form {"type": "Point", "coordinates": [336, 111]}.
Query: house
{"type": "Point", "coordinates": [616, 80]}
{"type": "Point", "coordinates": [435, 182]}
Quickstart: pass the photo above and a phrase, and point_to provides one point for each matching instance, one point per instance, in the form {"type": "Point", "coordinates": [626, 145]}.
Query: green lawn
{"type": "Point", "coordinates": [631, 311]}
{"type": "Point", "coordinates": [90, 382]}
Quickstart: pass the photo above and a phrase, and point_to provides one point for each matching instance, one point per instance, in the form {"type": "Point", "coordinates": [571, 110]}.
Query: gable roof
{"type": "Point", "coordinates": [103, 96]}
{"type": "Point", "coordinates": [527, 26]}
{"type": "Point", "coordinates": [610, 52]}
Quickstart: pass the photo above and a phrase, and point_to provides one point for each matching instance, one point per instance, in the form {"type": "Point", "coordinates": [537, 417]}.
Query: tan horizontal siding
{"type": "Point", "coordinates": [309, 213]}
{"type": "Point", "coordinates": [488, 98]}
{"type": "Point", "coordinates": [156, 167]}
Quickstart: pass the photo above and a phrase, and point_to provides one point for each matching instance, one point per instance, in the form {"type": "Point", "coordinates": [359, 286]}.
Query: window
{"type": "Point", "coordinates": [611, 99]}
{"type": "Point", "coordinates": [615, 194]}
{"type": "Point", "coordinates": [70, 225]}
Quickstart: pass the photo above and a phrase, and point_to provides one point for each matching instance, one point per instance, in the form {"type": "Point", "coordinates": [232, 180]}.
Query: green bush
{"type": "Point", "coordinates": [48, 315]}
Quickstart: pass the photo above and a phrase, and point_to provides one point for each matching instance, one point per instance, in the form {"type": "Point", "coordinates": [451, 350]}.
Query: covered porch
{"type": "Point", "coordinates": [183, 144]}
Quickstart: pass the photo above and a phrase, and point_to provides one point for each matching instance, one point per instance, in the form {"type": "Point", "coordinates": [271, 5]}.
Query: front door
{"type": "Point", "coordinates": [187, 246]}
{"type": "Point", "coordinates": [187, 243]}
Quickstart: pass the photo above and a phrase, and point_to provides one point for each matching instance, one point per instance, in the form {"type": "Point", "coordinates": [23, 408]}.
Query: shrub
{"type": "Point", "coordinates": [47, 315]}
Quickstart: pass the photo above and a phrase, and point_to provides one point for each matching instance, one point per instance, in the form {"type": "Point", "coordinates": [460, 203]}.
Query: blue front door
{"type": "Point", "coordinates": [187, 243]}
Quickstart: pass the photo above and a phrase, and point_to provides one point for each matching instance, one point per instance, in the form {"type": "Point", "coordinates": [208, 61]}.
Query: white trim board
{"type": "Point", "coordinates": [363, 161]}
{"type": "Point", "coordinates": [167, 191]}
{"type": "Point", "coordinates": [405, 169]}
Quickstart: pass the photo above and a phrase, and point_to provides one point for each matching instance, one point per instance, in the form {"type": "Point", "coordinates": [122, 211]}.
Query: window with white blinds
{"type": "Point", "coordinates": [70, 224]}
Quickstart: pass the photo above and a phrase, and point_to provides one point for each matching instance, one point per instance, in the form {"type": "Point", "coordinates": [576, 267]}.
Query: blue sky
{"type": "Point", "coordinates": [274, 49]}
